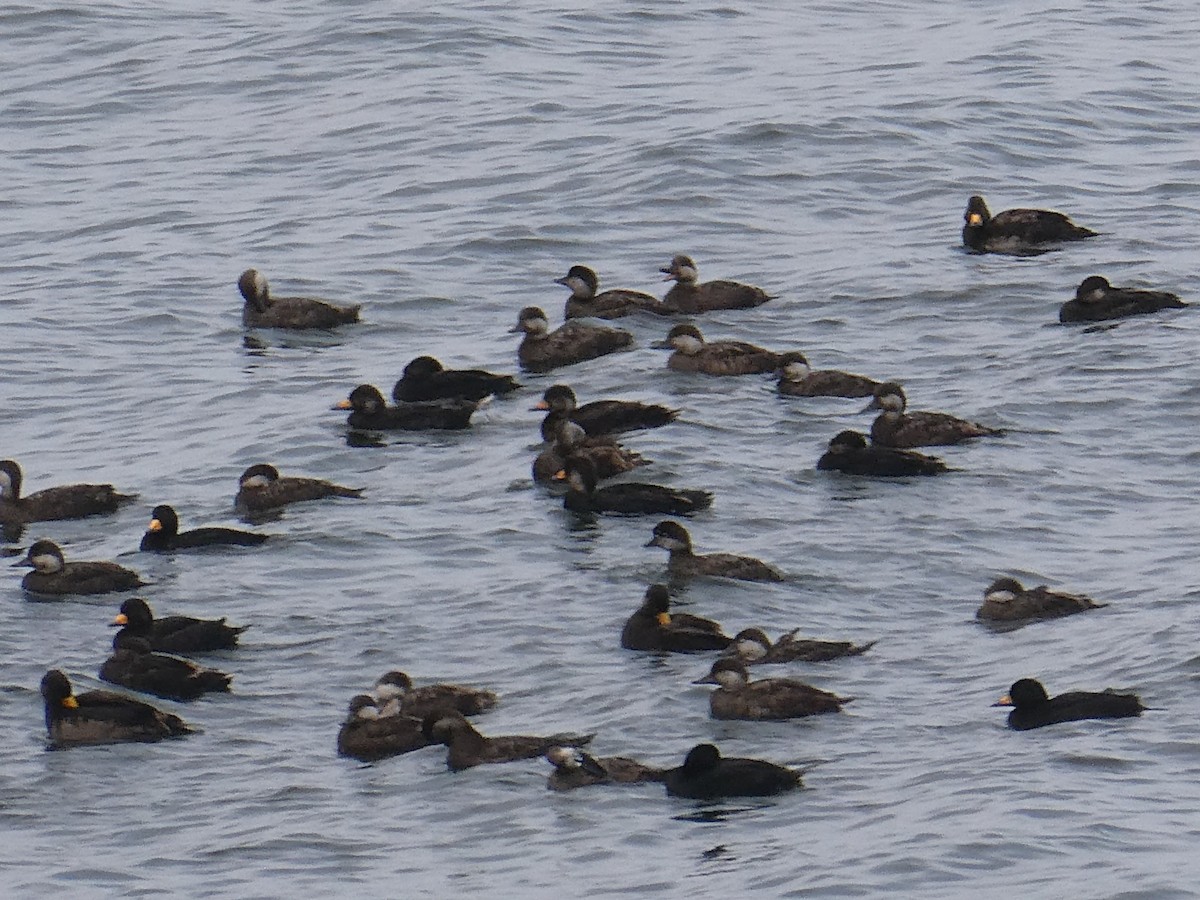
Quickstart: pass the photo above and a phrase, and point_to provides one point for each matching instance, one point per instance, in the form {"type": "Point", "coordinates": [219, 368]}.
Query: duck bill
{"type": "Point", "coordinates": [154, 525]}
{"type": "Point", "coordinates": [26, 562]}
{"type": "Point", "coordinates": [121, 619]}
{"type": "Point", "coordinates": [662, 345]}
{"type": "Point", "coordinates": [974, 219]}
{"type": "Point", "coordinates": [871, 407]}
{"type": "Point", "coordinates": [70, 703]}
{"type": "Point", "coordinates": [541, 405]}
{"type": "Point", "coordinates": [663, 619]}
{"type": "Point", "coordinates": [560, 475]}
{"type": "Point", "coordinates": [563, 281]}
{"type": "Point", "coordinates": [707, 679]}
{"type": "Point", "coordinates": [342, 404]}
{"type": "Point", "coordinates": [1004, 701]}
{"type": "Point", "coordinates": [653, 542]}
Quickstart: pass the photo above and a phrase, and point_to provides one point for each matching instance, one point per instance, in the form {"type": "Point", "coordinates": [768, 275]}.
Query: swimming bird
{"type": "Point", "coordinates": [135, 666]}
{"type": "Point", "coordinates": [368, 410]}
{"type": "Point", "coordinates": [394, 690]}
{"type": "Point", "coordinates": [52, 575]}
{"type": "Point", "coordinates": [425, 378]}
{"type": "Point", "coordinates": [767, 699]}
{"type": "Point", "coordinates": [753, 647]}
{"type": "Point", "coordinates": [849, 452]}
{"type": "Point", "coordinates": [68, 501]}
{"type": "Point", "coordinates": [797, 379]}
{"type": "Point", "coordinates": [694, 354]}
{"type": "Point", "coordinates": [368, 735]}
{"type": "Point", "coordinates": [613, 304]}
{"type": "Point", "coordinates": [609, 457]}
{"type": "Point", "coordinates": [467, 747]}
{"type": "Point", "coordinates": [1096, 301]}
{"type": "Point", "coordinates": [894, 427]}
{"type": "Point", "coordinates": [1016, 231]}
{"type": "Point", "coordinates": [573, 768]}
{"type": "Point", "coordinates": [572, 342]}
{"type": "Point", "coordinates": [175, 634]}
{"type": "Point", "coordinates": [261, 488]}
{"type": "Point", "coordinates": [689, 296]}
{"type": "Point", "coordinates": [675, 539]}
{"type": "Point", "coordinates": [264, 311]}
{"type": "Point", "coordinates": [163, 534]}
{"type": "Point", "coordinates": [628, 496]}
{"type": "Point", "coordinates": [1033, 708]}
{"type": "Point", "coordinates": [706, 774]}
{"type": "Point", "coordinates": [1006, 600]}
{"type": "Point", "coordinates": [653, 627]}
{"type": "Point", "coordinates": [102, 717]}
{"type": "Point", "coordinates": [599, 416]}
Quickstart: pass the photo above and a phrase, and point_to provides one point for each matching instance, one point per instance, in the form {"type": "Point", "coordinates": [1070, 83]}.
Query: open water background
{"type": "Point", "coordinates": [442, 166]}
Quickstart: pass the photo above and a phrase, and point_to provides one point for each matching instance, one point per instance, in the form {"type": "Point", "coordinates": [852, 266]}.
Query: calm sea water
{"type": "Point", "coordinates": [443, 167]}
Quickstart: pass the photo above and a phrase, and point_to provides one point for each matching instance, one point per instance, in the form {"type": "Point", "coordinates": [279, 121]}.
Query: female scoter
{"type": "Point", "coordinates": [369, 411]}
{"type": "Point", "coordinates": [613, 304]}
{"type": "Point", "coordinates": [261, 489]}
{"type": "Point", "coordinates": [1033, 708]}
{"type": "Point", "coordinates": [797, 379]}
{"type": "Point", "coordinates": [52, 575]}
{"type": "Point", "coordinates": [175, 634]}
{"type": "Point", "coordinates": [628, 496]}
{"type": "Point", "coordinates": [1097, 301]}
{"type": "Point", "coordinates": [425, 378]}
{"type": "Point", "coordinates": [894, 427]}
{"type": "Point", "coordinates": [849, 452]}
{"type": "Point", "coordinates": [753, 647]}
{"type": "Point", "coordinates": [609, 457]}
{"type": "Point", "coordinates": [1016, 231]}
{"type": "Point", "coordinates": [135, 666]}
{"type": "Point", "coordinates": [653, 627]}
{"type": "Point", "coordinates": [599, 416]}
{"type": "Point", "coordinates": [572, 342]}
{"type": "Point", "coordinates": [694, 354]}
{"type": "Point", "coordinates": [573, 768]}
{"type": "Point", "coordinates": [264, 311]}
{"type": "Point", "coordinates": [102, 717]}
{"type": "Point", "coordinates": [736, 697]}
{"type": "Point", "coordinates": [467, 747]}
{"type": "Point", "coordinates": [706, 774]}
{"type": "Point", "coordinates": [394, 691]}
{"type": "Point", "coordinates": [1006, 600]}
{"type": "Point", "coordinates": [674, 538]}
{"type": "Point", "coordinates": [68, 501]}
{"type": "Point", "coordinates": [163, 534]}
{"type": "Point", "coordinates": [687, 296]}
{"type": "Point", "coordinates": [369, 735]}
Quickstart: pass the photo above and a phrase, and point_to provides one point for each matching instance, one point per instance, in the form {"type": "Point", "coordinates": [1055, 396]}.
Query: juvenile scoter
{"type": "Point", "coordinates": [1097, 301]}
{"type": "Point", "coordinates": [573, 768]}
{"type": "Point", "coordinates": [675, 539]}
{"type": "Point", "coordinates": [68, 501]}
{"type": "Point", "coordinates": [609, 457]}
{"type": "Point", "coordinates": [1006, 600]}
{"type": "Point", "coordinates": [163, 534]}
{"type": "Point", "coordinates": [264, 311]}
{"type": "Point", "coordinates": [613, 304]}
{"type": "Point", "coordinates": [753, 647]}
{"type": "Point", "coordinates": [102, 717]}
{"type": "Point", "coordinates": [467, 747]}
{"type": "Point", "coordinates": [261, 488]}
{"type": "Point", "coordinates": [849, 452]}
{"type": "Point", "coordinates": [736, 697]}
{"type": "Point", "coordinates": [369, 735]}
{"type": "Point", "coordinates": [694, 354]}
{"type": "Point", "coordinates": [572, 342]}
{"type": "Point", "coordinates": [894, 427]}
{"type": "Point", "coordinates": [52, 575]}
{"type": "Point", "coordinates": [688, 296]}
{"type": "Point", "coordinates": [394, 690]}
{"type": "Point", "coordinates": [797, 379]}
{"type": "Point", "coordinates": [1033, 708]}
{"type": "Point", "coordinates": [1016, 231]}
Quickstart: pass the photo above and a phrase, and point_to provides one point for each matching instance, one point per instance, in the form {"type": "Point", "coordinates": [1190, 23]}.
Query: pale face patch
{"type": "Point", "coordinates": [687, 344]}
{"type": "Point", "coordinates": [1000, 597]}
{"type": "Point", "coordinates": [750, 649]}
{"type": "Point", "coordinates": [47, 563]}
{"type": "Point", "coordinates": [796, 371]}
{"type": "Point", "coordinates": [259, 481]}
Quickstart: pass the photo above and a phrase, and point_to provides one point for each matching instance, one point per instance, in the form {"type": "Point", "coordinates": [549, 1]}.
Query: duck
{"type": "Point", "coordinates": [1097, 301]}
{"type": "Point", "coordinates": [705, 774]}
{"type": "Point", "coordinates": [264, 311]}
{"type": "Point", "coordinates": [163, 534]}
{"type": "Point", "coordinates": [572, 342]}
{"type": "Point", "coordinates": [52, 575]}
{"type": "Point", "coordinates": [894, 427]}
{"type": "Point", "coordinates": [599, 417]}
{"type": "Point", "coordinates": [768, 699]}
{"type": "Point", "coordinates": [609, 457]}
{"type": "Point", "coordinates": [1006, 600]}
{"type": "Point", "coordinates": [1016, 231]}
{"type": "Point", "coordinates": [368, 736]}
{"type": "Point", "coordinates": [753, 647]}
{"type": "Point", "coordinates": [1032, 707]}
{"type": "Point", "coordinates": [630, 497]}
{"type": "Point", "coordinates": [135, 666]}
{"type": "Point", "coordinates": [261, 489]}
{"type": "Point", "coordinates": [394, 690]}
{"type": "Point", "coordinates": [682, 562]}
{"type": "Point", "coordinates": [468, 748]}
{"type": "Point", "coordinates": [694, 354]}
{"type": "Point", "coordinates": [584, 302]}
{"type": "Point", "coordinates": [653, 627]}
{"type": "Point", "coordinates": [102, 717]}
{"type": "Point", "coordinates": [175, 634]}
{"type": "Point", "coordinates": [369, 411]}
{"type": "Point", "coordinates": [425, 379]}
{"type": "Point", "coordinates": [68, 501]}
{"type": "Point", "coordinates": [797, 379]}
{"type": "Point", "coordinates": [687, 296]}
{"type": "Point", "coordinates": [849, 453]}
{"type": "Point", "coordinates": [573, 768]}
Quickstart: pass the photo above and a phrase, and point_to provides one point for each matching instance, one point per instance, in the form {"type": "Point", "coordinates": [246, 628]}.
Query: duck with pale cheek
{"type": "Point", "coordinates": [264, 311]}
{"type": "Point", "coordinates": [797, 379]}
{"type": "Point", "coordinates": [768, 699]}
{"type": "Point", "coordinates": [53, 576]}
{"type": "Point", "coordinates": [573, 768]}
{"type": "Point", "coordinates": [368, 734]}
{"type": "Point", "coordinates": [599, 416]}
{"type": "Point", "coordinates": [1007, 600]}
{"type": "Point", "coordinates": [706, 774]}
{"type": "Point", "coordinates": [425, 378]}
{"type": "Point", "coordinates": [753, 647]}
{"type": "Point", "coordinates": [689, 296]}
{"type": "Point", "coordinates": [585, 302]}
{"type": "Point", "coordinates": [849, 453]}
{"type": "Point", "coordinates": [262, 488]}
{"type": "Point", "coordinates": [1032, 707]}
{"type": "Point", "coordinates": [895, 427]}
{"type": "Point", "coordinates": [68, 501]}
{"type": "Point", "coordinates": [720, 358]}
{"type": "Point", "coordinates": [1019, 232]}
{"type": "Point", "coordinates": [468, 748]}
{"type": "Point", "coordinates": [163, 534]}
{"type": "Point", "coordinates": [394, 692]}
{"type": "Point", "coordinates": [683, 562]}
{"type": "Point", "coordinates": [572, 342]}
{"type": "Point", "coordinates": [654, 627]}
{"type": "Point", "coordinates": [1097, 301]}
{"type": "Point", "coordinates": [102, 717]}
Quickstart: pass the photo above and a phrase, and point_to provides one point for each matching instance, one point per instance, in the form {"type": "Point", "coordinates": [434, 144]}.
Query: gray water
{"type": "Point", "coordinates": [442, 166]}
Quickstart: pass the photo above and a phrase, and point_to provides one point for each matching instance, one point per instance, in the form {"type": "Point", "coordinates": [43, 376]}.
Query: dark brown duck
{"type": "Point", "coordinates": [68, 501]}
{"type": "Point", "coordinates": [609, 457]}
{"type": "Point", "coordinates": [753, 647]}
{"type": "Point", "coordinates": [690, 297]}
{"type": "Point", "coordinates": [394, 692]}
{"type": "Point", "coordinates": [599, 416]}
{"type": "Point", "coordinates": [425, 378]}
{"type": "Point", "coordinates": [467, 747]}
{"type": "Point", "coordinates": [895, 427]}
{"type": "Point", "coordinates": [52, 575]}
{"type": "Point", "coordinates": [572, 342]}
{"type": "Point", "coordinates": [261, 488]}
{"type": "Point", "coordinates": [573, 768]}
{"type": "Point", "coordinates": [849, 452]}
{"type": "Point", "coordinates": [1097, 301]}
{"type": "Point", "coordinates": [653, 627]}
{"type": "Point", "coordinates": [629, 497]}
{"type": "Point", "coordinates": [369, 735]}
{"type": "Point", "coordinates": [694, 354]}
{"type": "Point", "coordinates": [683, 562]}
{"type": "Point", "coordinates": [705, 774]}
{"type": "Point", "coordinates": [369, 411]}
{"type": "Point", "coordinates": [264, 311]}
{"type": "Point", "coordinates": [585, 302]}
{"type": "Point", "coordinates": [736, 697]}
{"type": "Point", "coordinates": [797, 379]}
{"type": "Point", "coordinates": [135, 666]}
{"type": "Point", "coordinates": [1006, 600]}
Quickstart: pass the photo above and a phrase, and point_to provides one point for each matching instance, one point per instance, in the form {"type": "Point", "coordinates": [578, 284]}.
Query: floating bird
{"type": "Point", "coordinates": [1033, 708]}
{"type": "Point", "coordinates": [706, 774]}
{"type": "Point", "coordinates": [674, 538]}
{"type": "Point", "coordinates": [68, 501]}
{"type": "Point", "coordinates": [52, 575]}
{"type": "Point", "coordinates": [894, 427]}
{"type": "Point", "coordinates": [687, 296]}
{"type": "Point", "coordinates": [736, 697]}
{"type": "Point", "coordinates": [653, 627]}
{"type": "Point", "coordinates": [586, 303]}
{"type": "Point", "coordinates": [368, 735]}
{"type": "Point", "coordinates": [600, 416]}
{"type": "Point", "coordinates": [394, 690]}
{"type": "Point", "coordinates": [849, 452]}
{"type": "Point", "coordinates": [135, 666]}
{"type": "Point", "coordinates": [175, 634]}
{"type": "Point", "coordinates": [1016, 231]}
{"type": "Point", "coordinates": [467, 747]}
{"type": "Point", "coordinates": [797, 379]}
{"type": "Point", "coordinates": [609, 457]}
{"type": "Point", "coordinates": [102, 717]}
{"type": "Point", "coordinates": [163, 534]}
{"type": "Point", "coordinates": [694, 354]}
{"type": "Point", "coordinates": [425, 378]}
{"type": "Point", "coordinates": [1006, 600]}
{"type": "Point", "coordinates": [573, 769]}
{"type": "Point", "coordinates": [753, 647]}
{"type": "Point", "coordinates": [261, 488]}
{"type": "Point", "coordinates": [369, 411]}
{"type": "Point", "coordinates": [264, 311]}
{"type": "Point", "coordinates": [1096, 301]}
{"type": "Point", "coordinates": [626, 497]}
{"type": "Point", "coordinates": [573, 342]}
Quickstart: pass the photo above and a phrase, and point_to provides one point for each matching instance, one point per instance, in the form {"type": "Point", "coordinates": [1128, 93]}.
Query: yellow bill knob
{"type": "Point", "coordinates": [664, 619]}
{"type": "Point", "coordinates": [155, 525]}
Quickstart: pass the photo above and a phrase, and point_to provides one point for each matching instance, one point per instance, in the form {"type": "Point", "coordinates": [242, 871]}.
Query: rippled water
{"type": "Point", "coordinates": [442, 166]}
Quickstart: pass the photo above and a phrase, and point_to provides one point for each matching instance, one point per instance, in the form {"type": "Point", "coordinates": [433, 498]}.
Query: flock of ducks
{"type": "Point", "coordinates": [150, 655]}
